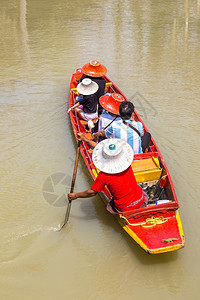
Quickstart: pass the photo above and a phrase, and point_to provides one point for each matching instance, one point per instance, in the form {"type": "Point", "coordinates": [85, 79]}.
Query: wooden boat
{"type": "Point", "coordinates": [156, 228]}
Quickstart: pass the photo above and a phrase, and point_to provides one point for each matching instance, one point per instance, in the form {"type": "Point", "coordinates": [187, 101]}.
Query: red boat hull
{"type": "Point", "coordinates": [156, 228]}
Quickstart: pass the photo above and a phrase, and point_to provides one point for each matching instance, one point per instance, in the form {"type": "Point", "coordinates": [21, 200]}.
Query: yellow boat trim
{"type": "Point", "coordinates": [132, 234]}
{"type": "Point", "coordinates": [95, 172]}
{"type": "Point", "coordinates": [166, 249]}
{"type": "Point", "coordinates": [75, 89]}
{"type": "Point", "coordinates": [149, 222]}
{"type": "Point", "coordinates": [156, 161]}
{"type": "Point", "coordinates": [180, 227]}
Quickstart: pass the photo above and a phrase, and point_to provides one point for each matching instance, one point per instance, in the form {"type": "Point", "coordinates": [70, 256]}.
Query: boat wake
{"type": "Point", "coordinates": [14, 245]}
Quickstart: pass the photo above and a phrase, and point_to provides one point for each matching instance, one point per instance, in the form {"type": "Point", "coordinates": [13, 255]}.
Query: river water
{"type": "Point", "coordinates": [151, 50]}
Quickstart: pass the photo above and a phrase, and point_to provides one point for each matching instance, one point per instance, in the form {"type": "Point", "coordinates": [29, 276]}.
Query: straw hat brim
{"type": "Point", "coordinates": [113, 164]}
{"type": "Point", "coordinates": [89, 89]}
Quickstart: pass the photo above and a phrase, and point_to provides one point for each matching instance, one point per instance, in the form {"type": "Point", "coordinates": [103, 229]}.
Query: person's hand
{"type": "Point", "coordinates": [98, 134]}
{"type": "Point", "coordinates": [82, 137]}
{"type": "Point", "coordinates": [95, 135]}
{"type": "Point", "coordinates": [69, 109]}
{"type": "Point", "coordinates": [72, 196]}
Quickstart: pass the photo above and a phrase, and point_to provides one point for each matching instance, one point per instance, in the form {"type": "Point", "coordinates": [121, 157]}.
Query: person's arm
{"type": "Point", "coordinates": [74, 106]}
{"type": "Point", "coordinates": [100, 133]}
{"type": "Point", "coordinates": [82, 137]}
{"type": "Point", "coordinates": [86, 194]}
{"type": "Point", "coordinates": [96, 187]}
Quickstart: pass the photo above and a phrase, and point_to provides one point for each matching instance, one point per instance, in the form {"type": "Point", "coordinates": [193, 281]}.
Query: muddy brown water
{"type": "Point", "coordinates": [151, 51]}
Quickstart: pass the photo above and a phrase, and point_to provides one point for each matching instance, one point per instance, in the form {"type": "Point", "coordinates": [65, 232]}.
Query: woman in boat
{"type": "Point", "coordinates": [110, 104]}
{"type": "Point", "coordinates": [87, 102]}
{"type": "Point", "coordinates": [113, 158]}
{"type": "Point", "coordinates": [95, 71]}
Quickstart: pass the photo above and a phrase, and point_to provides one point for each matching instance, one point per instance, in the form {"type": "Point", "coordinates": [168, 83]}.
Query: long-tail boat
{"type": "Point", "coordinates": [157, 227]}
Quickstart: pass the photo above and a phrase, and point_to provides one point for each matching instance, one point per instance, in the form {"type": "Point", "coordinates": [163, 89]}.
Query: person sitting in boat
{"type": "Point", "coordinates": [87, 102]}
{"type": "Point", "coordinates": [110, 104]}
{"type": "Point", "coordinates": [113, 158]}
{"type": "Point", "coordinates": [95, 71]}
{"type": "Point", "coordinates": [126, 129]}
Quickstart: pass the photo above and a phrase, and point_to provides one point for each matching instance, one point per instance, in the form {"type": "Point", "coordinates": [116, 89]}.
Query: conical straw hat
{"type": "Point", "coordinates": [87, 87]}
{"type": "Point", "coordinates": [94, 68]}
{"type": "Point", "coordinates": [111, 102]}
{"type": "Point", "coordinates": [112, 156]}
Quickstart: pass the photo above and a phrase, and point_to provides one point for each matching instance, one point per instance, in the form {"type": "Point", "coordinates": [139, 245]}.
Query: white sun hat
{"type": "Point", "coordinates": [87, 87]}
{"type": "Point", "coordinates": [112, 156]}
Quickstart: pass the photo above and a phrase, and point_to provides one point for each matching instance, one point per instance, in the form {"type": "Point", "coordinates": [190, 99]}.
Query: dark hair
{"type": "Point", "coordinates": [126, 109]}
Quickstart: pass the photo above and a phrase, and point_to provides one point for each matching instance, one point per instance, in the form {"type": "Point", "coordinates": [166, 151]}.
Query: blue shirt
{"type": "Point", "coordinates": [105, 119]}
{"type": "Point", "coordinates": [123, 132]}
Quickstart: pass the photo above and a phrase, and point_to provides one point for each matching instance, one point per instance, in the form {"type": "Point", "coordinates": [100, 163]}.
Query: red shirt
{"type": "Point", "coordinates": [123, 187]}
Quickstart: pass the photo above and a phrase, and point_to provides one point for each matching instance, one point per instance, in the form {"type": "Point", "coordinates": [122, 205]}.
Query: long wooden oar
{"type": "Point", "coordinates": [72, 184]}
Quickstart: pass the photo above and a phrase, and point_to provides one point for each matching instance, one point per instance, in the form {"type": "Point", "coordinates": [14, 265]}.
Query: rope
{"type": "Point", "coordinates": [149, 222]}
